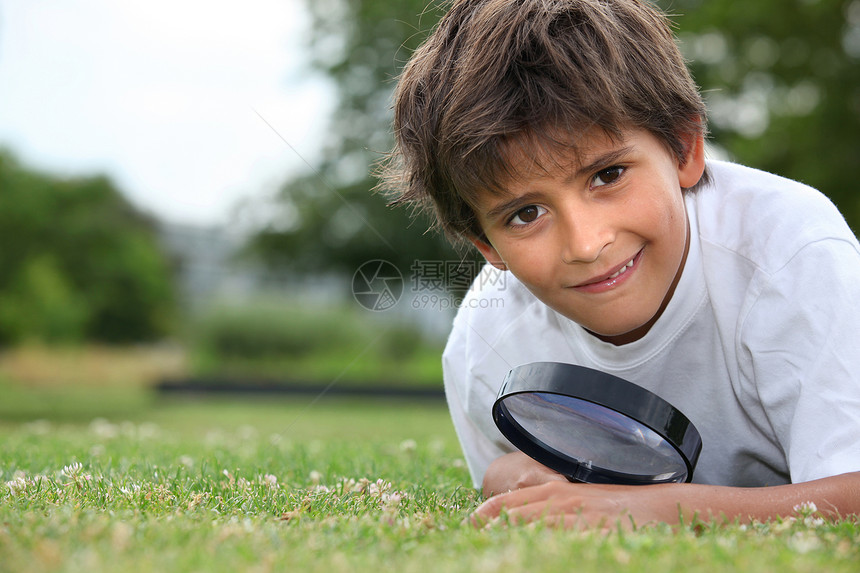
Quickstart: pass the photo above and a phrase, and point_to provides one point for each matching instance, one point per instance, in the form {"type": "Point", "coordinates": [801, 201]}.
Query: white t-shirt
{"type": "Point", "coordinates": [759, 346]}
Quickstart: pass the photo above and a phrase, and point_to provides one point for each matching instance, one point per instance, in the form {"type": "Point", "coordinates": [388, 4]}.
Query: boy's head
{"type": "Point", "coordinates": [499, 80]}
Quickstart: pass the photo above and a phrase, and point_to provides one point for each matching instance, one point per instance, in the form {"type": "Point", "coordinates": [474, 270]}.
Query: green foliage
{"type": "Point", "coordinates": [331, 220]}
{"type": "Point", "coordinates": [78, 262]}
{"type": "Point", "coordinates": [263, 331]}
{"type": "Point", "coordinates": [781, 80]}
{"type": "Point", "coordinates": [401, 342]}
{"type": "Point", "coordinates": [782, 83]}
{"type": "Point", "coordinates": [39, 304]}
{"type": "Point", "coordinates": [316, 343]}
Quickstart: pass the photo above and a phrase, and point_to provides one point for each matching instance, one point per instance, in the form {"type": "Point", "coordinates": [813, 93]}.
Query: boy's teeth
{"type": "Point", "coordinates": [624, 268]}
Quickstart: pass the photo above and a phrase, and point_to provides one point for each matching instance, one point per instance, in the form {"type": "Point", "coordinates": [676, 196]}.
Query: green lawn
{"type": "Point", "coordinates": [119, 480]}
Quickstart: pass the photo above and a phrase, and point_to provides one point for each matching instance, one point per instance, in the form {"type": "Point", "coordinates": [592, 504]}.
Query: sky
{"type": "Point", "coordinates": [192, 107]}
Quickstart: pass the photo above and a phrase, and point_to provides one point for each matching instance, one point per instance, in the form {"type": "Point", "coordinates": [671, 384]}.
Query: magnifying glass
{"type": "Point", "coordinates": [594, 427]}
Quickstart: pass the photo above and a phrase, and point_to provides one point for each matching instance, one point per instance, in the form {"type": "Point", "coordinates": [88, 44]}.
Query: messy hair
{"type": "Point", "coordinates": [534, 75]}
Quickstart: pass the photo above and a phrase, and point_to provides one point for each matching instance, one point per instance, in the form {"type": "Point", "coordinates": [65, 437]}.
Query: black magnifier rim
{"type": "Point", "coordinates": [604, 390]}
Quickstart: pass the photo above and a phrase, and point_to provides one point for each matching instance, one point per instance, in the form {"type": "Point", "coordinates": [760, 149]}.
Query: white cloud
{"type": "Point", "coordinates": [162, 95]}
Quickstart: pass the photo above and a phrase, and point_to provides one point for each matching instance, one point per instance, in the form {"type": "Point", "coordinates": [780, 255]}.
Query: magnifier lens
{"type": "Point", "coordinates": [596, 436]}
{"type": "Point", "coordinates": [594, 427]}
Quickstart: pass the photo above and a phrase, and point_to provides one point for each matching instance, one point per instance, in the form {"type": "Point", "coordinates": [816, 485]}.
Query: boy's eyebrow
{"type": "Point", "coordinates": [507, 206]}
{"type": "Point", "coordinates": [599, 162]}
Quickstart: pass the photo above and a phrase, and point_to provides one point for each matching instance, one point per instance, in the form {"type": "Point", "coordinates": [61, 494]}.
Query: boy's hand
{"type": "Point", "coordinates": [610, 506]}
{"type": "Point", "coordinates": [516, 471]}
{"type": "Point", "coordinates": [576, 505]}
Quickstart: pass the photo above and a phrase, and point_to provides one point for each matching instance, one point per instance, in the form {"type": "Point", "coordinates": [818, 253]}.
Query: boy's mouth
{"type": "Point", "coordinates": [610, 278]}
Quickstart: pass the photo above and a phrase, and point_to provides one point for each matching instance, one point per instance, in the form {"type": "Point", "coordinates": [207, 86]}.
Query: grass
{"type": "Point", "coordinates": [107, 478]}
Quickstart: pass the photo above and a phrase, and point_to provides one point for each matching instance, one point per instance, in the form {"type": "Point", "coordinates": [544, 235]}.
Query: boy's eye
{"type": "Point", "coordinates": [607, 176]}
{"type": "Point", "coordinates": [527, 215]}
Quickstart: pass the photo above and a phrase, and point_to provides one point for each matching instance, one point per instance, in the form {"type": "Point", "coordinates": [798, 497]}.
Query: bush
{"type": "Point", "coordinates": [41, 305]}
{"type": "Point", "coordinates": [311, 343]}
{"type": "Point", "coordinates": [78, 262]}
{"type": "Point", "coordinates": [273, 330]}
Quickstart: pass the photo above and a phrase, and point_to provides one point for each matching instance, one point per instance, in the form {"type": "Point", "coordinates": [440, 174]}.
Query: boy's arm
{"type": "Point", "coordinates": [605, 506]}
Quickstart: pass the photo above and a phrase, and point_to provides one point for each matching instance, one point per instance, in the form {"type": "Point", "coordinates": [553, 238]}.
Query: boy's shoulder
{"type": "Point", "coordinates": [762, 217]}
{"type": "Point", "coordinates": [497, 302]}
{"type": "Point", "coordinates": [494, 289]}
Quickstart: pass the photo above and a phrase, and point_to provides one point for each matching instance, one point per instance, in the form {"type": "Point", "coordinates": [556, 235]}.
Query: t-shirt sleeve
{"type": "Point", "coordinates": [461, 390]}
{"type": "Point", "coordinates": [801, 337]}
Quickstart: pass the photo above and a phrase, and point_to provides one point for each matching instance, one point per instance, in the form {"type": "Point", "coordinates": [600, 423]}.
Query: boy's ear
{"type": "Point", "coordinates": [489, 252]}
{"type": "Point", "coordinates": [693, 166]}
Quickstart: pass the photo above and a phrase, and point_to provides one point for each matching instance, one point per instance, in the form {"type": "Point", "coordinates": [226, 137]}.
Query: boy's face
{"type": "Point", "coordinates": [601, 238]}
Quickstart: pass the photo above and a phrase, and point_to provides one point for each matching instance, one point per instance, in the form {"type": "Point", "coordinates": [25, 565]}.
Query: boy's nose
{"type": "Point", "coordinates": [584, 240]}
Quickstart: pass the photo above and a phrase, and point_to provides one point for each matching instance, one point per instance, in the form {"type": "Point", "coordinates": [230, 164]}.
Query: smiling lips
{"type": "Point", "coordinates": [624, 268]}
{"type": "Point", "coordinates": [608, 281]}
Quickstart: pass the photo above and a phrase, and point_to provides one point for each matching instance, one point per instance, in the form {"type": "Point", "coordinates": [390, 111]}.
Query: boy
{"type": "Point", "coordinates": [565, 140]}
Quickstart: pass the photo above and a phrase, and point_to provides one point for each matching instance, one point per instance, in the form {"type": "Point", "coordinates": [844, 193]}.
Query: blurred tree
{"type": "Point", "coordinates": [40, 304]}
{"type": "Point", "coordinates": [780, 78]}
{"type": "Point", "coordinates": [329, 220]}
{"type": "Point", "coordinates": [77, 261]}
{"type": "Point", "coordinates": [782, 83]}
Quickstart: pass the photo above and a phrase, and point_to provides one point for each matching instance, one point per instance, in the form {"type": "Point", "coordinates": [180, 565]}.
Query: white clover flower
{"type": "Point", "coordinates": [392, 500]}
{"type": "Point", "coordinates": [806, 508]}
{"type": "Point", "coordinates": [103, 428]}
{"type": "Point", "coordinates": [379, 487]}
{"type": "Point", "coordinates": [270, 481]}
{"type": "Point", "coordinates": [17, 486]}
{"type": "Point", "coordinates": [247, 432]}
{"type": "Point", "coordinates": [148, 430]}
{"type": "Point", "coordinates": [804, 542]}
{"type": "Point", "coordinates": [408, 445]}
{"type": "Point", "coordinates": [350, 485]}
{"type": "Point", "coordinates": [213, 438]}
{"type": "Point", "coordinates": [40, 427]}
{"type": "Point", "coordinates": [73, 469]}
{"type": "Point", "coordinates": [131, 489]}
{"type": "Point", "coordinates": [39, 481]}
{"type": "Point", "coordinates": [197, 499]}
{"type": "Point", "coordinates": [315, 477]}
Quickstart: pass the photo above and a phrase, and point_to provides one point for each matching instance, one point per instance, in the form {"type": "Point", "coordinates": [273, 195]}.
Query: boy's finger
{"type": "Point", "coordinates": [510, 503]}
{"type": "Point", "coordinates": [489, 509]}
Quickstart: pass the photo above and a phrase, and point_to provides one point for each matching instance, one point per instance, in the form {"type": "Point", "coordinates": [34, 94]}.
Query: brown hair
{"type": "Point", "coordinates": [536, 74]}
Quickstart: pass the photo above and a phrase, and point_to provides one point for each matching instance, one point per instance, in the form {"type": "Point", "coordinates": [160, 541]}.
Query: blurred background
{"type": "Point", "coordinates": [185, 186]}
